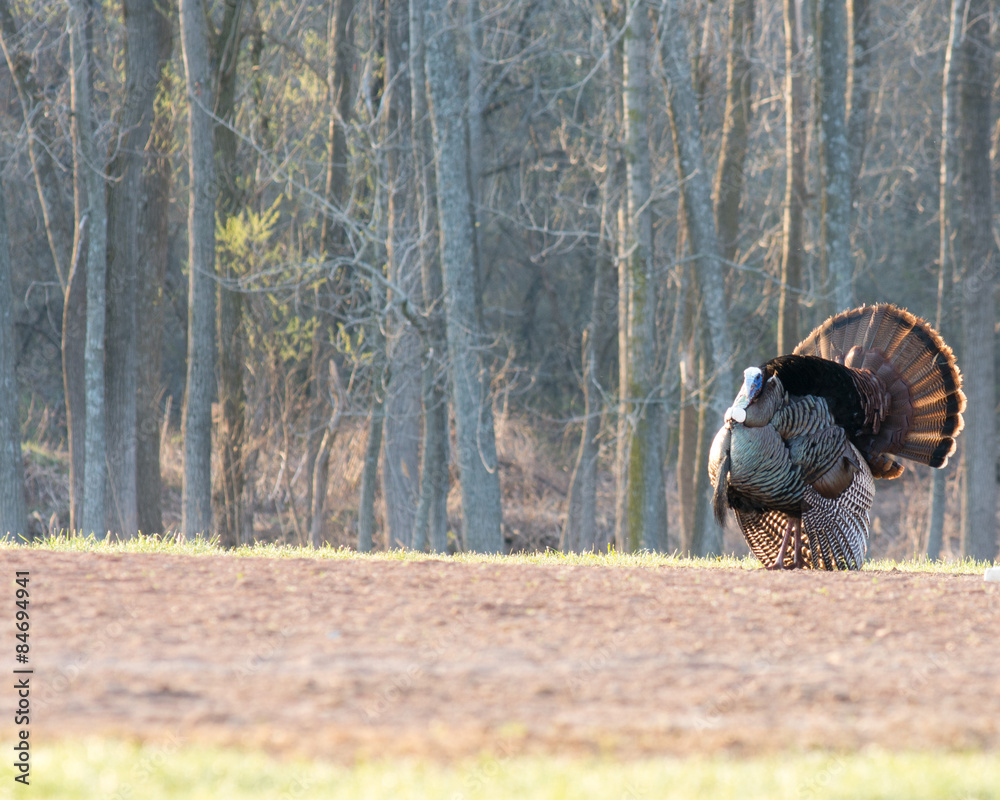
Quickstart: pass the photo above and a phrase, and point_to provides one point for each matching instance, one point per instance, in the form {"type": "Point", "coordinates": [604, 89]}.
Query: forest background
{"type": "Point", "coordinates": [471, 274]}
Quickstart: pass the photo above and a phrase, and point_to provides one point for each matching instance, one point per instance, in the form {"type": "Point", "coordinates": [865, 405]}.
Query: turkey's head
{"type": "Point", "coordinates": [757, 400]}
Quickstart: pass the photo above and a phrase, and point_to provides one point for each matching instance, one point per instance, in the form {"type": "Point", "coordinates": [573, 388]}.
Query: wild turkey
{"type": "Point", "coordinates": [808, 432]}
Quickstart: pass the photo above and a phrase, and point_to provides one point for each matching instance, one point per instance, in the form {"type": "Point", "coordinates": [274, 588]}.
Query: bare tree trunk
{"type": "Point", "coordinates": [615, 54]}
{"type": "Point", "coordinates": [935, 524]}
{"type": "Point", "coordinates": [727, 195]}
{"type": "Point", "coordinates": [700, 534]}
{"type": "Point", "coordinates": [318, 449]}
{"type": "Point", "coordinates": [402, 417]}
{"type": "Point", "coordinates": [341, 64]}
{"type": "Point", "coordinates": [949, 223]}
{"type": "Point", "coordinates": [431, 524]}
{"type": "Point", "coordinates": [61, 236]}
{"type": "Point", "coordinates": [795, 185]}
{"type": "Point", "coordinates": [835, 150]}
{"type": "Point", "coordinates": [153, 251]}
{"type": "Point", "coordinates": [688, 468]}
{"type": "Point", "coordinates": [642, 389]}
{"type": "Point", "coordinates": [91, 166]}
{"type": "Point", "coordinates": [318, 415]}
{"type": "Point", "coordinates": [74, 346]}
{"type": "Point", "coordinates": [622, 437]}
{"type": "Point", "coordinates": [74, 336]}
{"type": "Point", "coordinates": [697, 201]}
{"type": "Point", "coordinates": [197, 492]}
{"type": "Point", "coordinates": [321, 478]}
{"type": "Point", "coordinates": [579, 533]}
{"type": "Point", "coordinates": [369, 473]}
{"type": "Point", "coordinates": [481, 514]}
{"type": "Point", "coordinates": [706, 537]}
{"type": "Point", "coordinates": [475, 130]}
{"type": "Point", "coordinates": [233, 517]}
{"type": "Point", "coordinates": [860, 90]}
{"type": "Point", "coordinates": [430, 527]}
{"type": "Point", "coordinates": [980, 265]}
{"type": "Point", "coordinates": [580, 530]}
{"type": "Point", "coordinates": [321, 471]}
{"type": "Point", "coordinates": [142, 68]}
{"type": "Point", "coordinates": [320, 483]}
{"type": "Point", "coordinates": [614, 20]}
{"type": "Point", "coordinates": [402, 441]}
{"type": "Point", "coordinates": [234, 522]}
{"type": "Point", "coordinates": [702, 233]}
{"type": "Point", "coordinates": [369, 476]}
{"type": "Point", "coordinates": [13, 515]}
{"type": "Point", "coordinates": [729, 177]}
{"type": "Point", "coordinates": [340, 54]}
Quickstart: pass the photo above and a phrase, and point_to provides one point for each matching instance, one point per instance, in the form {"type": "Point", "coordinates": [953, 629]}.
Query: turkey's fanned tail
{"type": "Point", "coordinates": [923, 395]}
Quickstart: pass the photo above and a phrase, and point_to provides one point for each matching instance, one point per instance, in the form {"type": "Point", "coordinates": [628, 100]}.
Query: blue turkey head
{"type": "Point", "coordinates": [753, 385]}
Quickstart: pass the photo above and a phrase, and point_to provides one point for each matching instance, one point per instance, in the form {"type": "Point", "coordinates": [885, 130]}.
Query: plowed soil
{"type": "Point", "coordinates": [360, 658]}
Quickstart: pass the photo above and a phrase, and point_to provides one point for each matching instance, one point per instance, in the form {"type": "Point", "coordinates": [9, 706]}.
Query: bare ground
{"type": "Point", "coordinates": [364, 658]}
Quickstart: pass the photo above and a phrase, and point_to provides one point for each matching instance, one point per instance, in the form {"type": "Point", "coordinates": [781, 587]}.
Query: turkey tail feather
{"type": "Point", "coordinates": [923, 385]}
{"type": "Point", "coordinates": [719, 496]}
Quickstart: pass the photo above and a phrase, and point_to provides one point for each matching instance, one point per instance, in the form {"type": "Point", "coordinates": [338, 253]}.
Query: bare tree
{"type": "Point", "coordinates": [321, 468]}
{"type": "Point", "coordinates": [980, 266]}
{"type": "Point", "coordinates": [339, 88]}
{"type": "Point", "coordinates": [73, 345]}
{"type": "Point", "coordinates": [431, 523]}
{"type": "Point", "coordinates": [376, 417]}
{"type": "Point", "coordinates": [369, 473]}
{"type": "Point", "coordinates": [860, 88]}
{"type": "Point", "coordinates": [728, 193]}
{"type": "Point", "coordinates": [690, 480]}
{"type": "Point", "coordinates": [474, 124]}
{"type": "Point", "coordinates": [835, 150]}
{"type": "Point", "coordinates": [153, 250]}
{"type": "Point", "coordinates": [470, 382]}
{"type": "Point", "coordinates": [949, 223]}
{"type": "Point", "coordinates": [792, 240]}
{"type": "Point", "coordinates": [235, 521]}
{"type": "Point", "coordinates": [700, 223]}
{"type": "Point", "coordinates": [402, 408]}
{"type": "Point", "coordinates": [640, 387]}
{"type": "Point", "coordinates": [142, 68]}
{"type": "Point", "coordinates": [13, 516]}
{"type": "Point", "coordinates": [739, 84]}
{"type": "Point", "coordinates": [197, 490]}
{"type": "Point", "coordinates": [89, 164]}
{"type": "Point", "coordinates": [58, 220]}
{"type": "Point", "coordinates": [579, 533]}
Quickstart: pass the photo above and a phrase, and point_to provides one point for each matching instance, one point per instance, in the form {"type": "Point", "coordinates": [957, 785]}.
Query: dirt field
{"type": "Point", "coordinates": [369, 658]}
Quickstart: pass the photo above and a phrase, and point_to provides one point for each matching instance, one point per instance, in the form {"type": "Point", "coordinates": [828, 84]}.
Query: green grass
{"type": "Point", "coordinates": [965, 566]}
{"type": "Point", "coordinates": [199, 546]}
{"type": "Point", "coordinates": [114, 769]}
